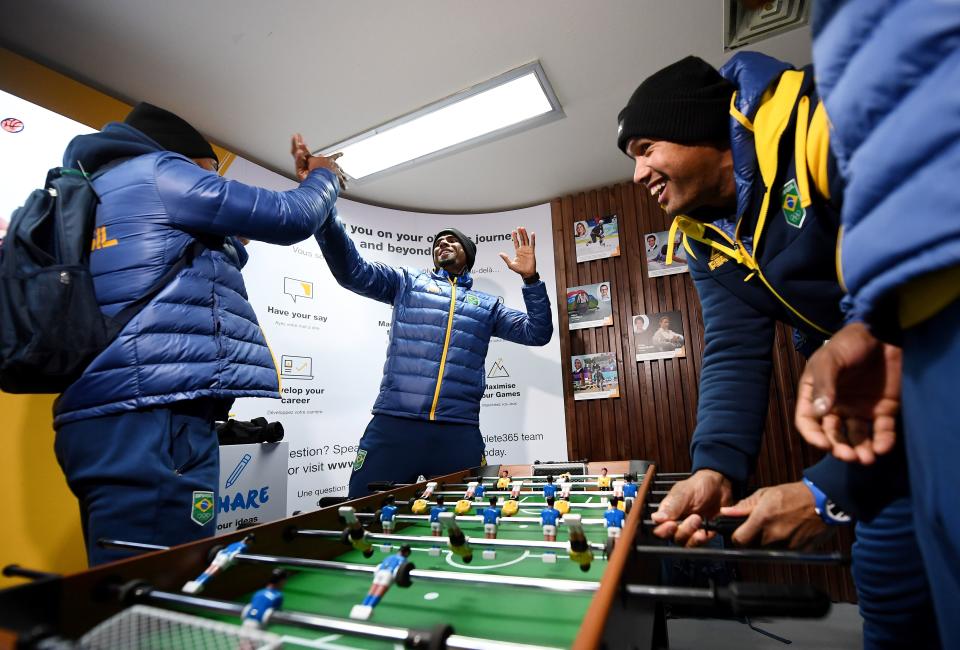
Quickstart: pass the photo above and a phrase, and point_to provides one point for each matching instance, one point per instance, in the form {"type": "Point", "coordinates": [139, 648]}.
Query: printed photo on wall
{"type": "Point", "coordinates": [597, 238]}
{"type": "Point", "coordinates": [589, 306]}
{"type": "Point", "coordinates": [655, 244]}
{"type": "Point", "coordinates": [595, 376]}
{"type": "Point", "coordinates": [659, 336]}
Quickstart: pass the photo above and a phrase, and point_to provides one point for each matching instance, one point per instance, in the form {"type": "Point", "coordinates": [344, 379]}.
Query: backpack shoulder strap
{"type": "Point", "coordinates": [122, 317]}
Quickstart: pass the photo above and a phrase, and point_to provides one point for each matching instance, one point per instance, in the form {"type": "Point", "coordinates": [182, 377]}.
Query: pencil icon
{"type": "Point", "coordinates": [235, 474]}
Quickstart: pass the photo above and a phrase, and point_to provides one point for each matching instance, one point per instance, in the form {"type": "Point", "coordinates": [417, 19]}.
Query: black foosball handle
{"type": "Point", "coordinates": [724, 526]}
{"type": "Point", "coordinates": [757, 599]}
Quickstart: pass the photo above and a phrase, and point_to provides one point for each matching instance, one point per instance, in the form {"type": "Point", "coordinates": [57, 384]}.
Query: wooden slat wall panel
{"type": "Point", "coordinates": [655, 415]}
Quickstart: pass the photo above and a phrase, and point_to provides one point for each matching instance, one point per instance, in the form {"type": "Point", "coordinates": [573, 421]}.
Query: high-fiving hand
{"type": "Point", "coordinates": [304, 162]}
{"type": "Point", "coordinates": [524, 248]}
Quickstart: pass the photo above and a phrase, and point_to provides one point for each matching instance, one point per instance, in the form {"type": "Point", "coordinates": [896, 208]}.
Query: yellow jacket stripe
{"type": "Point", "coordinates": [446, 346]}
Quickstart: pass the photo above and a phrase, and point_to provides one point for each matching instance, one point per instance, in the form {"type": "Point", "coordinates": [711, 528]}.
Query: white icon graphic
{"type": "Point", "coordinates": [292, 367]}
{"type": "Point", "coordinates": [298, 288]}
{"type": "Point", "coordinates": [497, 370]}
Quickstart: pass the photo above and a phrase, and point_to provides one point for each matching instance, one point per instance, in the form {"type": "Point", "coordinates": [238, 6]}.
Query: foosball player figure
{"type": "Point", "coordinates": [491, 517]}
{"type": "Point", "coordinates": [549, 489]}
{"type": "Point", "coordinates": [565, 487]}
{"type": "Point", "coordinates": [629, 491]}
{"type": "Point", "coordinates": [265, 601]}
{"type": "Point", "coordinates": [579, 547]}
{"type": "Point", "coordinates": [618, 488]}
{"type": "Point", "coordinates": [478, 492]}
{"type": "Point", "coordinates": [614, 518]}
{"type": "Point", "coordinates": [387, 514]}
{"type": "Point", "coordinates": [462, 507]}
{"type": "Point", "coordinates": [394, 569]}
{"type": "Point", "coordinates": [428, 491]}
{"type": "Point", "coordinates": [223, 560]}
{"type": "Point", "coordinates": [471, 490]}
{"type": "Point", "coordinates": [354, 534]}
{"type": "Point", "coordinates": [435, 526]}
{"type": "Point", "coordinates": [510, 508]}
{"type": "Point", "coordinates": [419, 506]}
{"type": "Point", "coordinates": [603, 481]}
{"type": "Point", "coordinates": [503, 482]}
{"type": "Point", "coordinates": [456, 539]}
{"type": "Point", "coordinates": [548, 519]}
{"type": "Point", "coordinates": [515, 489]}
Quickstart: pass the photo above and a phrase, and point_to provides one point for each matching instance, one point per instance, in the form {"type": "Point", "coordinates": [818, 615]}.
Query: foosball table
{"type": "Point", "coordinates": [475, 559]}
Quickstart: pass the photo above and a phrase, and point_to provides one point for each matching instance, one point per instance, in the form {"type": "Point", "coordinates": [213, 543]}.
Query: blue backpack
{"type": "Point", "coordinates": [51, 326]}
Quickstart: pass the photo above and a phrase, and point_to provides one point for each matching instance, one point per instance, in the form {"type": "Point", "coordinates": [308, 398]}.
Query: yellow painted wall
{"type": "Point", "coordinates": [40, 518]}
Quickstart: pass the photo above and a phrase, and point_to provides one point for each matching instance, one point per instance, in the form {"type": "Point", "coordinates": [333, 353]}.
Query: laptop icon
{"type": "Point", "coordinates": [293, 367]}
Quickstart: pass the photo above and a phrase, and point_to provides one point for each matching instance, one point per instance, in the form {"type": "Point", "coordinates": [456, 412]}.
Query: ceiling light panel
{"type": "Point", "coordinates": [515, 101]}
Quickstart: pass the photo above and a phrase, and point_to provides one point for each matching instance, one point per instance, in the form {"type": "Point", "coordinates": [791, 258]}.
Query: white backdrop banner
{"type": "Point", "coordinates": [330, 343]}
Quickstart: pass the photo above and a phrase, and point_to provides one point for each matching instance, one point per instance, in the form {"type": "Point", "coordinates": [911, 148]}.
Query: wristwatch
{"type": "Point", "coordinates": [829, 512]}
{"type": "Point", "coordinates": [533, 279]}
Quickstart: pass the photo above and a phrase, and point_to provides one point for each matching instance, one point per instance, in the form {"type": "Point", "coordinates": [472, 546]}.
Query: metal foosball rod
{"type": "Point", "coordinates": [549, 584]}
{"type": "Point", "coordinates": [441, 541]}
{"type": "Point", "coordinates": [742, 599]}
{"type": "Point", "coordinates": [533, 506]}
{"type": "Point", "coordinates": [743, 555]}
{"type": "Point", "coordinates": [477, 519]}
{"type": "Point", "coordinates": [440, 636]}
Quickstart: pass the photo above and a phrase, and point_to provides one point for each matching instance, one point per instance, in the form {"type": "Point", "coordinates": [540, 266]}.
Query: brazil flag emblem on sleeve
{"type": "Point", "coordinates": [203, 510]}
{"type": "Point", "coordinates": [361, 456]}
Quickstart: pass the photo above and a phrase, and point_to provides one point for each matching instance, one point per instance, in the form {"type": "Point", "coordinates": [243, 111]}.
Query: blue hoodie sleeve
{"type": "Point", "coordinates": [862, 490]}
{"type": "Point", "coordinates": [533, 328]}
{"type": "Point", "coordinates": [351, 271]}
{"type": "Point", "coordinates": [734, 381]}
{"type": "Point", "coordinates": [200, 201]}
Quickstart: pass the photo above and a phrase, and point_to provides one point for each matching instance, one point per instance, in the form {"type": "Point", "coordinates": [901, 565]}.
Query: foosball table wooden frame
{"type": "Point", "coordinates": [626, 609]}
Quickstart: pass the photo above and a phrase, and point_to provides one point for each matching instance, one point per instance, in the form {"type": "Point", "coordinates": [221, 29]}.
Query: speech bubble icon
{"type": "Point", "coordinates": [298, 288]}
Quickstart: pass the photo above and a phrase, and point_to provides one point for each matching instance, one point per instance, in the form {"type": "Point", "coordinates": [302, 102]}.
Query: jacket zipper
{"type": "Point", "coordinates": [446, 346]}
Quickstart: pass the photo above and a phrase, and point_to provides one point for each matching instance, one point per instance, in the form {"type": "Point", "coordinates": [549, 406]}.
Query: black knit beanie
{"type": "Point", "coordinates": [469, 247]}
{"type": "Point", "coordinates": [170, 131]}
{"type": "Point", "coordinates": [686, 102]}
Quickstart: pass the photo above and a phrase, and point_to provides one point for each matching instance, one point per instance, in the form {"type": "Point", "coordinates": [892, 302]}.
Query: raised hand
{"type": "Point", "coordinates": [305, 162]}
{"type": "Point", "coordinates": [524, 248]}
{"type": "Point", "coordinates": [849, 396]}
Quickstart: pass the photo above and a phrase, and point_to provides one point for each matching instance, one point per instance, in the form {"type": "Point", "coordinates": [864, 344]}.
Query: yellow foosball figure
{"type": "Point", "coordinates": [503, 483]}
{"type": "Point", "coordinates": [419, 507]}
{"type": "Point", "coordinates": [603, 481]}
{"type": "Point", "coordinates": [579, 547]}
{"type": "Point", "coordinates": [354, 534]}
{"type": "Point", "coordinates": [463, 506]}
{"type": "Point", "coordinates": [563, 506]}
{"type": "Point", "coordinates": [510, 508]}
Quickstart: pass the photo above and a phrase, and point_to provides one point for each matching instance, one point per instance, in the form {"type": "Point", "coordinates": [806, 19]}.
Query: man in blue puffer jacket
{"type": "Point", "coordinates": [426, 417]}
{"type": "Point", "coordinates": [135, 433]}
{"type": "Point", "coordinates": [890, 73]}
{"type": "Point", "coordinates": [741, 159]}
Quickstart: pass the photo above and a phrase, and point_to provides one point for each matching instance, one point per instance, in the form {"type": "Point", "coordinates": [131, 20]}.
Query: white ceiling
{"type": "Point", "coordinates": [248, 74]}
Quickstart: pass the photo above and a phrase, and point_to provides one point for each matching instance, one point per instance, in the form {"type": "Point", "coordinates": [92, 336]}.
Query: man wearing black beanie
{"type": "Point", "coordinates": [426, 419]}
{"type": "Point", "coordinates": [135, 432]}
{"type": "Point", "coordinates": [740, 159]}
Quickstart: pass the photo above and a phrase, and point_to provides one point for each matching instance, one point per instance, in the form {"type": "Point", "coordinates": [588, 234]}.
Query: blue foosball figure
{"type": "Point", "coordinates": [222, 561]}
{"type": "Point", "coordinates": [394, 569]}
{"type": "Point", "coordinates": [614, 517]}
{"type": "Point", "coordinates": [265, 602]}
{"type": "Point", "coordinates": [387, 514]}
{"type": "Point", "coordinates": [549, 489]}
{"type": "Point", "coordinates": [548, 519]}
{"type": "Point", "coordinates": [435, 527]}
